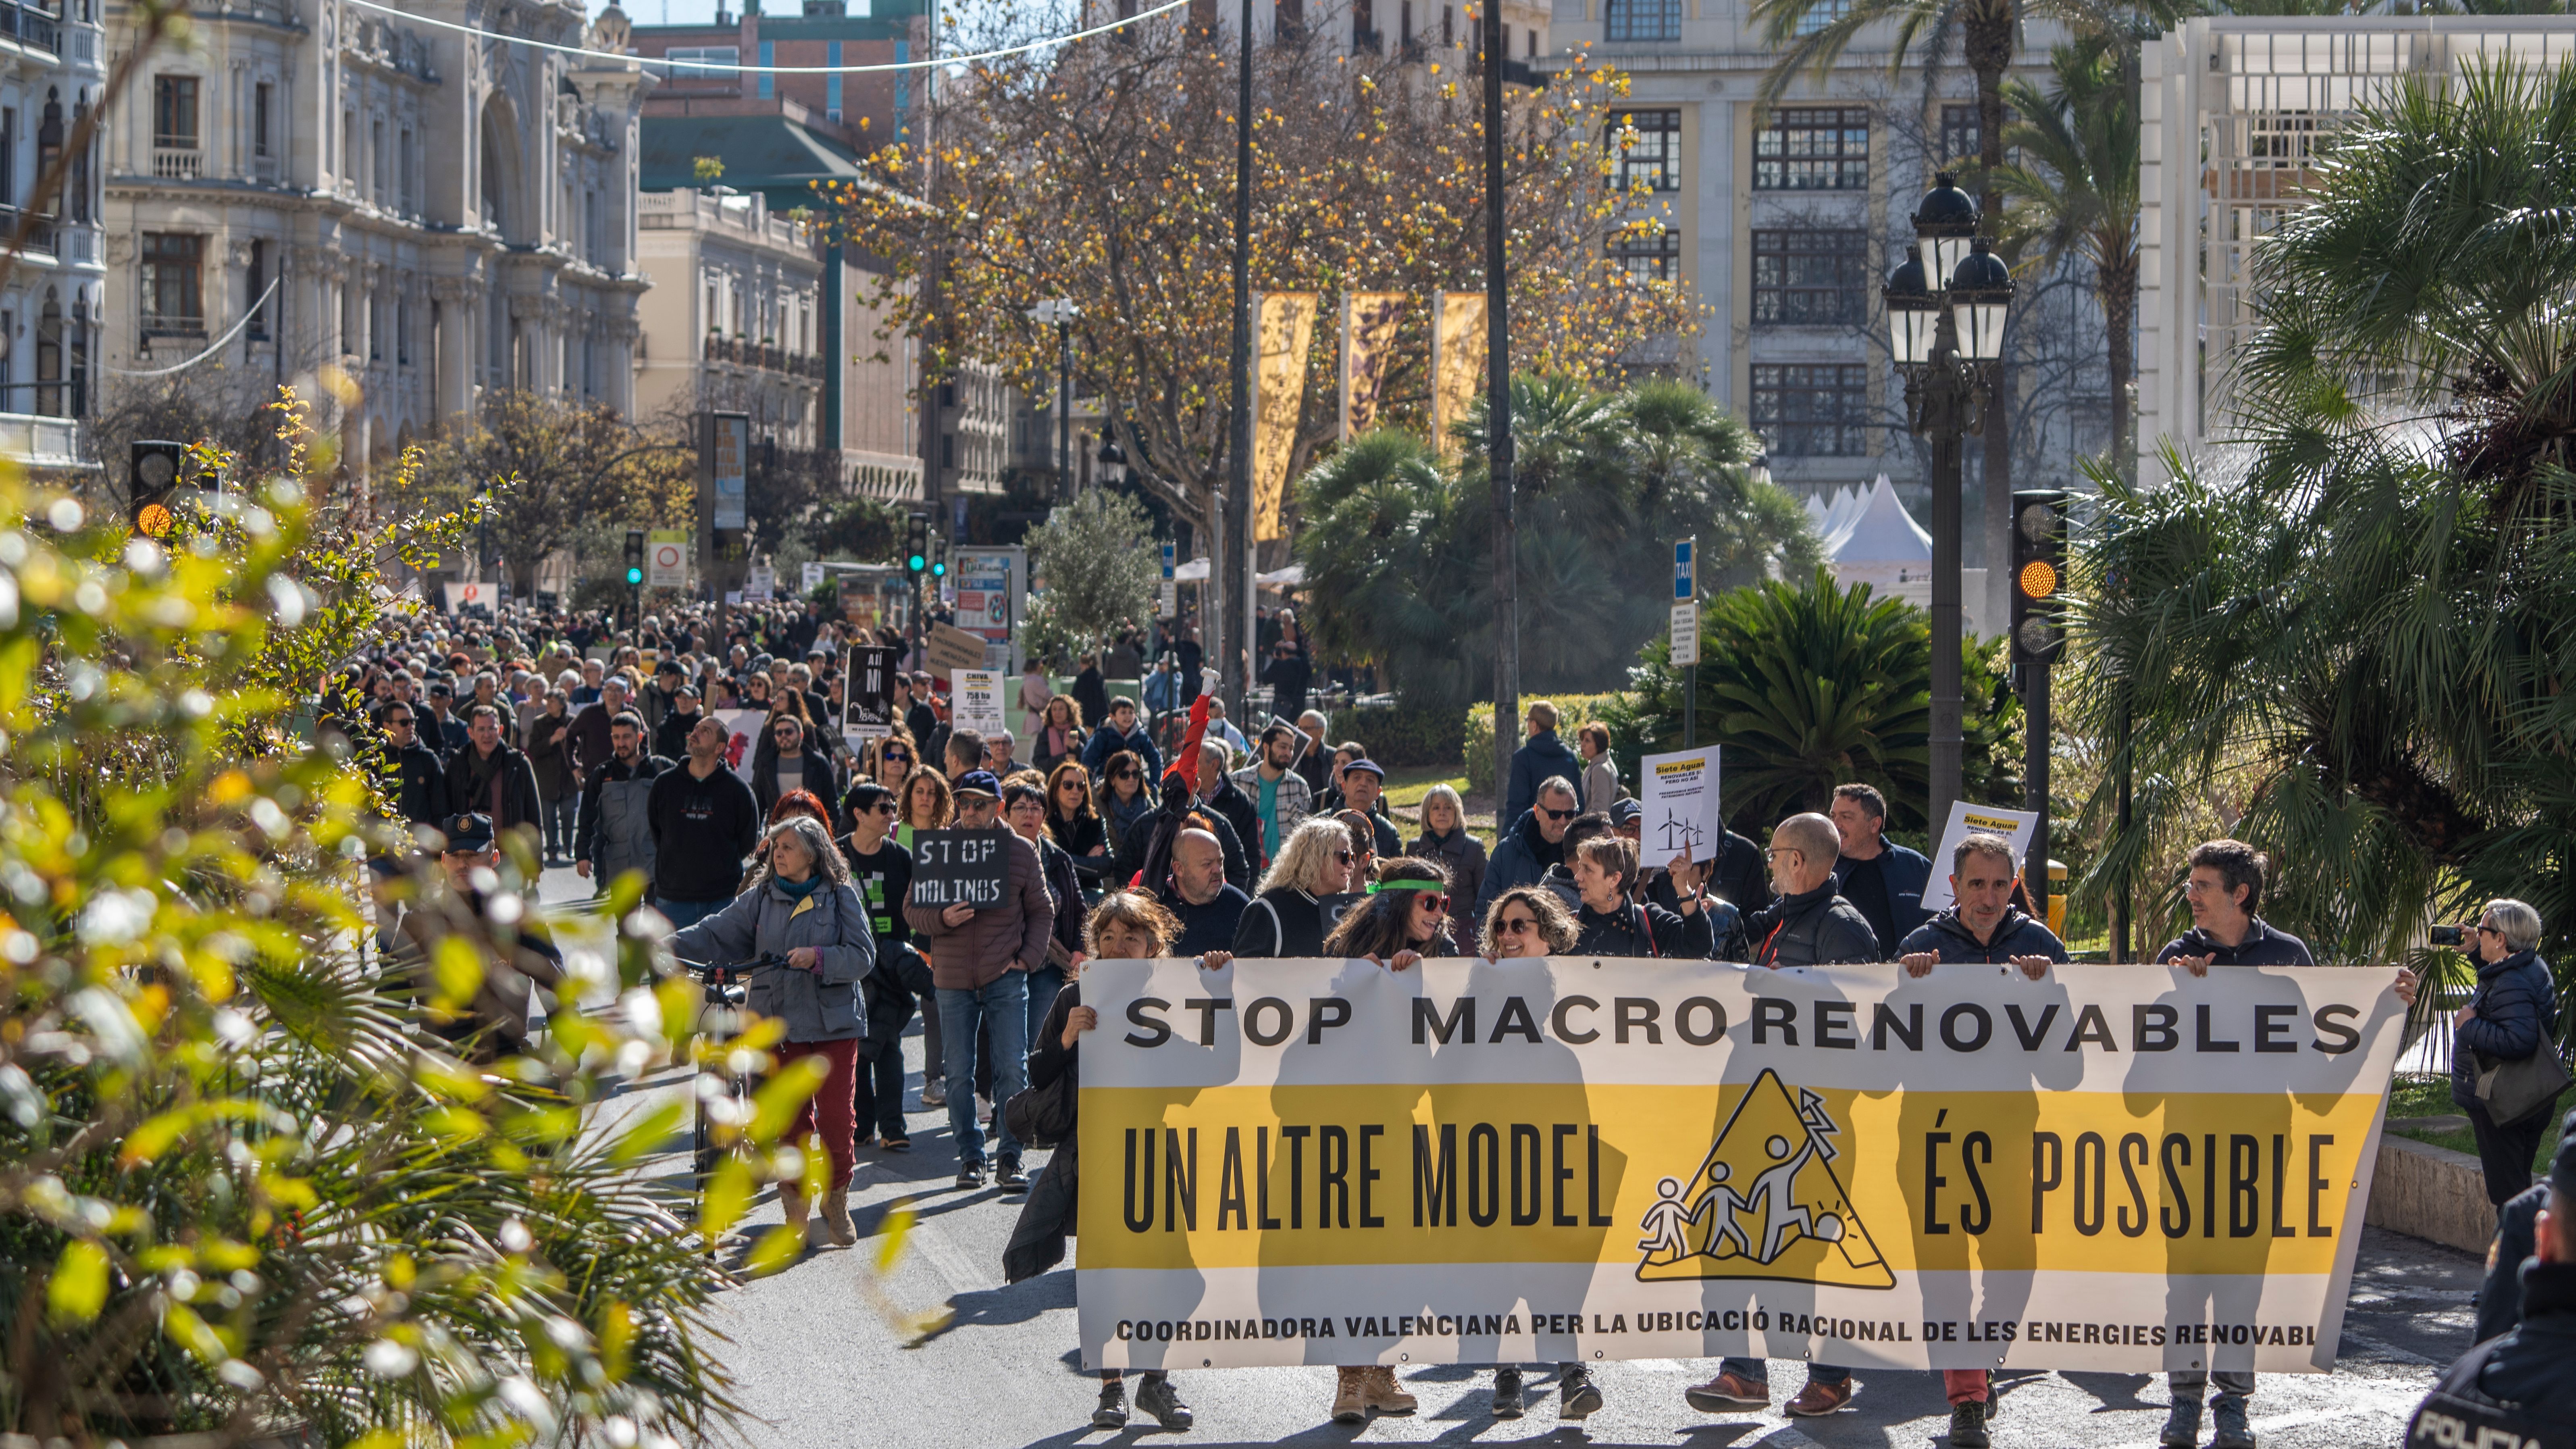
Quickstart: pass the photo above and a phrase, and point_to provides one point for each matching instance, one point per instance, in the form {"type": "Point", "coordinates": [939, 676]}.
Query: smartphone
{"type": "Point", "coordinates": [2448, 935]}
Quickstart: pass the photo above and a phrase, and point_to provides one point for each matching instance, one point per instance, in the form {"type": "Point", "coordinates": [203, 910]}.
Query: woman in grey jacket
{"type": "Point", "coordinates": [803, 907]}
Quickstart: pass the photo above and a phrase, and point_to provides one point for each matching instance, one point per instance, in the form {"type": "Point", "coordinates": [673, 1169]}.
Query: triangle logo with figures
{"type": "Point", "coordinates": [1765, 1203]}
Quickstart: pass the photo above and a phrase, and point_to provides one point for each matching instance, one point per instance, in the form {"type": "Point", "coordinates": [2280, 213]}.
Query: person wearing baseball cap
{"type": "Point", "coordinates": [981, 958]}
{"type": "Point", "coordinates": [2520, 1387]}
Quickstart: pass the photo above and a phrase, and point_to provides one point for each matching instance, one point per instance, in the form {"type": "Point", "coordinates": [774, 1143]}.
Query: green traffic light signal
{"type": "Point", "coordinates": [917, 563]}
{"type": "Point", "coordinates": [938, 570]}
{"type": "Point", "coordinates": [634, 576]}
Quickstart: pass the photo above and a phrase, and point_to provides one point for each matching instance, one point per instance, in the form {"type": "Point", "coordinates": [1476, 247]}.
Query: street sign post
{"type": "Point", "coordinates": [1686, 635]}
{"type": "Point", "coordinates": [666, 558]}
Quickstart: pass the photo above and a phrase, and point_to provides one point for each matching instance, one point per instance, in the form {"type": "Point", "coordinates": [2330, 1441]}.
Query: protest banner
{"type": "Point", "coordinates": [1679, 794]}
{"type": "Point", "coordinates": [2013, 825]}
{"type": "Point", "coordinates": [950, 867]}
{"type": "Point", "coordinates": [976, 700]}
{"type": "Point", "coordinates": [948, 649]}
{"type": "Point", "coordinates": [868, 711]}
{"type": "Point", "coordinates": [2118, 1169]}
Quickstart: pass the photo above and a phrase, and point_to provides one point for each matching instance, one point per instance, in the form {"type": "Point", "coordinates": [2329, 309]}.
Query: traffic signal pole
{"type": "Point", "coordinates": [2038, 636]}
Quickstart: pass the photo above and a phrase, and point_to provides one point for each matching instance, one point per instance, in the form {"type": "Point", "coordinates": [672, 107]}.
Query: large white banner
{"type": "Point", "coordinates": [2119, 1169]}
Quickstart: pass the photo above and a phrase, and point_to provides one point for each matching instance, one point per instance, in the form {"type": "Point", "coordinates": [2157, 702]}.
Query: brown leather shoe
{"type": "Point", "coordinates": [836, 1218]}
{"type": "Point", "coordinates": [1728, 1393]}
{"type": "Point", "coordinates": [1819, 1399]}
{"type": "Point", "coordinates": [1348, 1407]}
{"type": "Point", "coordinates": [1379, 1391]}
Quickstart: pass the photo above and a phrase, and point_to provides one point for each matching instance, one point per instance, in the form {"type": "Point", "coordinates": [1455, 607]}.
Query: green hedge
{"type": "Point", "coordinates": [1618, 711]}
{"type": "Point", "coordinates": [1403, 735]}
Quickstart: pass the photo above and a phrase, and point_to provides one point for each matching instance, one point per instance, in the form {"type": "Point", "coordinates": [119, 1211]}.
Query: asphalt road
{"type": "Point", "coordinates": [823, 1353]}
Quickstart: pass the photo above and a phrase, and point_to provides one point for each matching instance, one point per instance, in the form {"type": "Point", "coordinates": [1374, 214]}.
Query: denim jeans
{"type": "Point", "coordinates": [1044, 983]}
{"type": "Point", "coordinates": [1000, 1006]}
{"type": "Point", "coordinates": [1755, 1371]}
{"type": "Point", "coordinates": [684, 914]}
{"type": "Point", "coordinates": [559, 815]}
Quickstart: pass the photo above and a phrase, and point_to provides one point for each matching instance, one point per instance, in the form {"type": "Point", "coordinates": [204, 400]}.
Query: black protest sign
{"type": "Point", "coordinates": [953, 867]}
{"type": "Point", "coordinates": [870, 709]}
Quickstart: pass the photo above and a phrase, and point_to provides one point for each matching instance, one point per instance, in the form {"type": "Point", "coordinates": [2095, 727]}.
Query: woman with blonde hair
{"type": "Point", "coordinates": [1125, 926]}
{"type": "Point", "coordinates": [1286, 917]}
{"type": "Point", "coordinates": [1446, 839]}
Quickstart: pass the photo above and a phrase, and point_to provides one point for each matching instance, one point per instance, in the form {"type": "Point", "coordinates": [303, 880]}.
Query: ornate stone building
{"type": "Point", "coordinates": [437, 215]}
{"type": "Point", "coordinates": [50, 77]}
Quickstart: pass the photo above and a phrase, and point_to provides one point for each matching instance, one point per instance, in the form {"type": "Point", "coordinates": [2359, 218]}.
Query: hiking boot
{"type": "Point", "coordinates": [1155, 1396]}
{"type": "Point", "coordinates": [1379, 1390]}
{"type": "Point", "coordinates": [2227, 1418]}
{"type": "Point", "coordinates": [1349, 1407]}
{"type": "Point", "coordinates": [836, 1218]}
{"type": "Point", "coordinates": [1112, 1413]}
{"type": "Point", "coordinates": [795, 1205]}
{"type": "Point", "coordinates": [1968, 1426]}
{"type": "Point", "coordinates": [1577, 1397]}
{"type": "Point", "coordinates": [970, 1176]}
{"type": "Point", "coordinates": [1819, 1398]}
{"type": "Point", "coordinates": [1727, 1391]}
{"type": "Point", "coordinates": [1507, 1393]}
{"type": "Point", "coordinates": [1008, 1177]}
{"type": "Point", "coordinates": [2182, 1424]}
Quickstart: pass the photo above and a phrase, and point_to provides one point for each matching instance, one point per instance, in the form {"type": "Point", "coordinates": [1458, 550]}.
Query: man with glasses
{"type": "Point", "coordinates": [1806, 925]}
{"type": "Point", "coordinates": [412, 773]}
{"type": "Point", "coordinates": [2224, 887]}
{"type": "Point", "coordinates": [793, 765]}
{"type": "Point", "coordinates": [1533, 845]}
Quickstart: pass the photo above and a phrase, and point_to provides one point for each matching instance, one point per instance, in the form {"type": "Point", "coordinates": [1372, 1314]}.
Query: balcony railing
{"type": "Point", "coordinates": [40, 235]}
{"type": "Point", "coordinates": [31, 25]}
{"type": "Point", "coordinates": [178, 163]}
{"type": "Point", "coordinates": [171, 324]}
{"type": "Point", "coordinates": [744, 352]}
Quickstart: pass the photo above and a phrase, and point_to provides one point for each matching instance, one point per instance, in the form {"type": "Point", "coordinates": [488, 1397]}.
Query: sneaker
{"type": "Point", "coordinates": [1818, 1399]}
{"type": "Point", "coordinates": [1728, 1391]}
{"type": "Point", "coordinates": [1112, 1413]}
{"type": "Point", "coordinates": [970, 1176]}
{"type": "Point", "coordinates": [2227, 1419]}
{"type": "Point", "coordinates": [1154, 1395]}
{"type": "Point", "coordinates": [2182, 1424]}
{"type": "Point", "coordinates": [1577, 1397]}
{"type": "Point", "coordinates": [1507, 1393]}
{"type": "Point", "coordinates": [1008, 1177]}
{"type": "Point", "coordinates": [1968, 1426]}
{"type": "Point", "coordinates": [934, 1094]}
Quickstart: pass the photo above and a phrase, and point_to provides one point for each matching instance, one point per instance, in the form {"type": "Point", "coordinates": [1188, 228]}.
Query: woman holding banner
{"type": "Point", "coordinates": [1125, 926]}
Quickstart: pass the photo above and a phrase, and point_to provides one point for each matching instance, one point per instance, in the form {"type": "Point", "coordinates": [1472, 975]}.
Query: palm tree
{"type": "Point", "coordinates": [2076, 174]}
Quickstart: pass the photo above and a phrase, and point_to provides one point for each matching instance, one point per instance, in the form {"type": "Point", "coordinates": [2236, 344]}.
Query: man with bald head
{"type": "Point", "coordinates": [1807, 924]}
{"type": "Point", "coordinates": [1197, 892]}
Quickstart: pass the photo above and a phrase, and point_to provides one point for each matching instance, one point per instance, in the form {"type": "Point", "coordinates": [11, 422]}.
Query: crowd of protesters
{"type": "Point", "coordinates": [1125, 839]}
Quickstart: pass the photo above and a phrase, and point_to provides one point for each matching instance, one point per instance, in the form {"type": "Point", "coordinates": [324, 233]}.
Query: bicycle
{"type": "Point", "coordinates": [726, 987]}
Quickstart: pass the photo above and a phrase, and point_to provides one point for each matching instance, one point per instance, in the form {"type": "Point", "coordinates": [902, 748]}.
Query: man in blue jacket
{"type": "Point", "coordinates": [1883, 881]}
{"type": "Point", "coordinates": [1534, 841]}
{"type": "Point", "coordinates": [1542, 757]}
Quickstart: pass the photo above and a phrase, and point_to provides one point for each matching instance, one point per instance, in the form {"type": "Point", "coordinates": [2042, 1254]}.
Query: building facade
{"type": "Point", "coordinates": [52, 69]}
{"type": "Point", "coordinates": [734, 318]}
{"type": "Point", "coordinates": [2234, 109]}
{"type": "Point", "coordinates": [434, 216]}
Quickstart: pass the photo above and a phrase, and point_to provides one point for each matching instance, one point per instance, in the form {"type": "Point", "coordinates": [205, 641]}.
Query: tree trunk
{"type": "Point", "coordinates": [2118, 284]}
{"type": "Point", "coordinates": [1988, 42]}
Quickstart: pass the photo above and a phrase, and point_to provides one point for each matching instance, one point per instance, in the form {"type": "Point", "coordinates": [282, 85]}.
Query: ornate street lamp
{"type": "Point", "coordinates": [1945, 326]}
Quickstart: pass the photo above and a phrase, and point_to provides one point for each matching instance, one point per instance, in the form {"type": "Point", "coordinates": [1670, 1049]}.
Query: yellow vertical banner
{"type": "Point", "coordinates": [1285, 330]}
{"type": "Point", "coordinates": [1457, 353]}
{"type": "Point", "coordinates": [1368, 341]}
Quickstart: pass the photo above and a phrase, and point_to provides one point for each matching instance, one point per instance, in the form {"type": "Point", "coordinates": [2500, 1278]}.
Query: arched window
{"type": "Point", "coordinates": [49, 355]}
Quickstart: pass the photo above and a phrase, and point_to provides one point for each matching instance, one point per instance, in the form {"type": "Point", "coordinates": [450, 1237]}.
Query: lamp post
{"type": "Point", "coordinates": [1059, 313]}
{"type": "Point", "coordinates": [1945, 323]}
{"type": "Point", "coordinates": [1112, 458]}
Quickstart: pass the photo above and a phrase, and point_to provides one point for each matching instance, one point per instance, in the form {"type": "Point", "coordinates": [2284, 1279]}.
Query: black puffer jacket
{"type": "Point", "coordinates": [2524, 1383]}
{"type": "Point", "coordinates": [1811, 928]}
{"type": "Point", "coordinates": [1281, 922]}
{"type": "Point", "coordinates": [1047, 1218]}
{"type": "Point", "coordinates": [1948, 937]}
{"type": "Point", "coordinates": [1636, 929]}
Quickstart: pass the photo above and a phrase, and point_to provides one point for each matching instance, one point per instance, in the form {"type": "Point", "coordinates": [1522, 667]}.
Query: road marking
{"type": "Point", "coordinates": [2388, 1350]}
{"type": "Point", "coordinates": [946, 1259]}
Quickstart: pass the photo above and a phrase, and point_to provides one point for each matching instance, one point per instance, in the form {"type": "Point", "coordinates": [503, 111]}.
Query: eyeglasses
{"type": "Point", "coordinates": [1516, 926]}
{"type": "Point", "coordinates": [1556, 814]}
{"type": "Point", "coordinates": [1344, 856]}
{"type": "Point", "coordinates": [2487, 930]}
{"type": "Point", "coordinates": [1777, 851]}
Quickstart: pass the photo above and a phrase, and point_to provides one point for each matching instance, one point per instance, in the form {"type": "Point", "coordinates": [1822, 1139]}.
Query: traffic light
{"type": "Point", "coordinates": [154, 478]}
{"type": "Point", "coordinates": [916, 544]}
{"type": "Point", "coordinates": [2039, 575]}
{"type": "Point", "coordinates": [939, 556]}
{"type": "Point", "coordinates": [634, 557]}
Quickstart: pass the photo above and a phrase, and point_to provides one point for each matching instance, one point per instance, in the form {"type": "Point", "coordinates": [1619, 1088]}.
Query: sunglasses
{"type": "Point", "coordinates": [1436, 903]}
{"type": "Point", "coordinates": [1516, 926]}
{"type": "Point", "coordinates": [397, 719]}
{"type": "Point", "coordinates": [1344, 856]}
{"type": "Point", "coordinates": [1556, 814]}
{"type": "Point", "coordinates": [898, 757]}
{"type": "Point", "coordinates": [884, 807]}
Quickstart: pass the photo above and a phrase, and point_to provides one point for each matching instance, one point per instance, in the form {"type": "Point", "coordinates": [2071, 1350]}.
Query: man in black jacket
{"type": "Point", "coordinates": [413, 775]}
{"type": "Point", "coordinates": [882, 870]}
{"type": "Point", "coordinates": [1808, 925]}
{"type": "Point", "coordinates": [795, 765]}
{"type": "Point", "coordinates": [492, 778]}
{"type": "Point", "coordinates": [2521, 1388]}
{"type": "Point", "coordinates": [1982, 924]}
{"type": "Point", "coordinates": [1208, 906]}
{"type": "Point", "coordinates": [704, 823]}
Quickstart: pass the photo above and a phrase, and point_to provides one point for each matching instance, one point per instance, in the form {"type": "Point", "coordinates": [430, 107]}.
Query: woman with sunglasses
{"type": "Point", "coordinates": [1524, 923]}
{"type": "Point", "coordinates": [1124, 799]}
{"type": "Point", "coordinates": [1071, 821]}
{"type": "Point", "coordinates": [1286, 917]}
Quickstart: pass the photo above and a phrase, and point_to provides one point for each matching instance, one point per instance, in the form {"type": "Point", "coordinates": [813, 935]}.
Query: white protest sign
{"type": "Point", "coordinates": [2013, 825]}
{"type": "Point", "coordinates": [1679, 791]}
{"type": "Point", "coordinates": [813, 578]}
{"type": "Point", "coordinates": [742, 737]}
{"type": "Point", "coordinates": [978, 696]}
